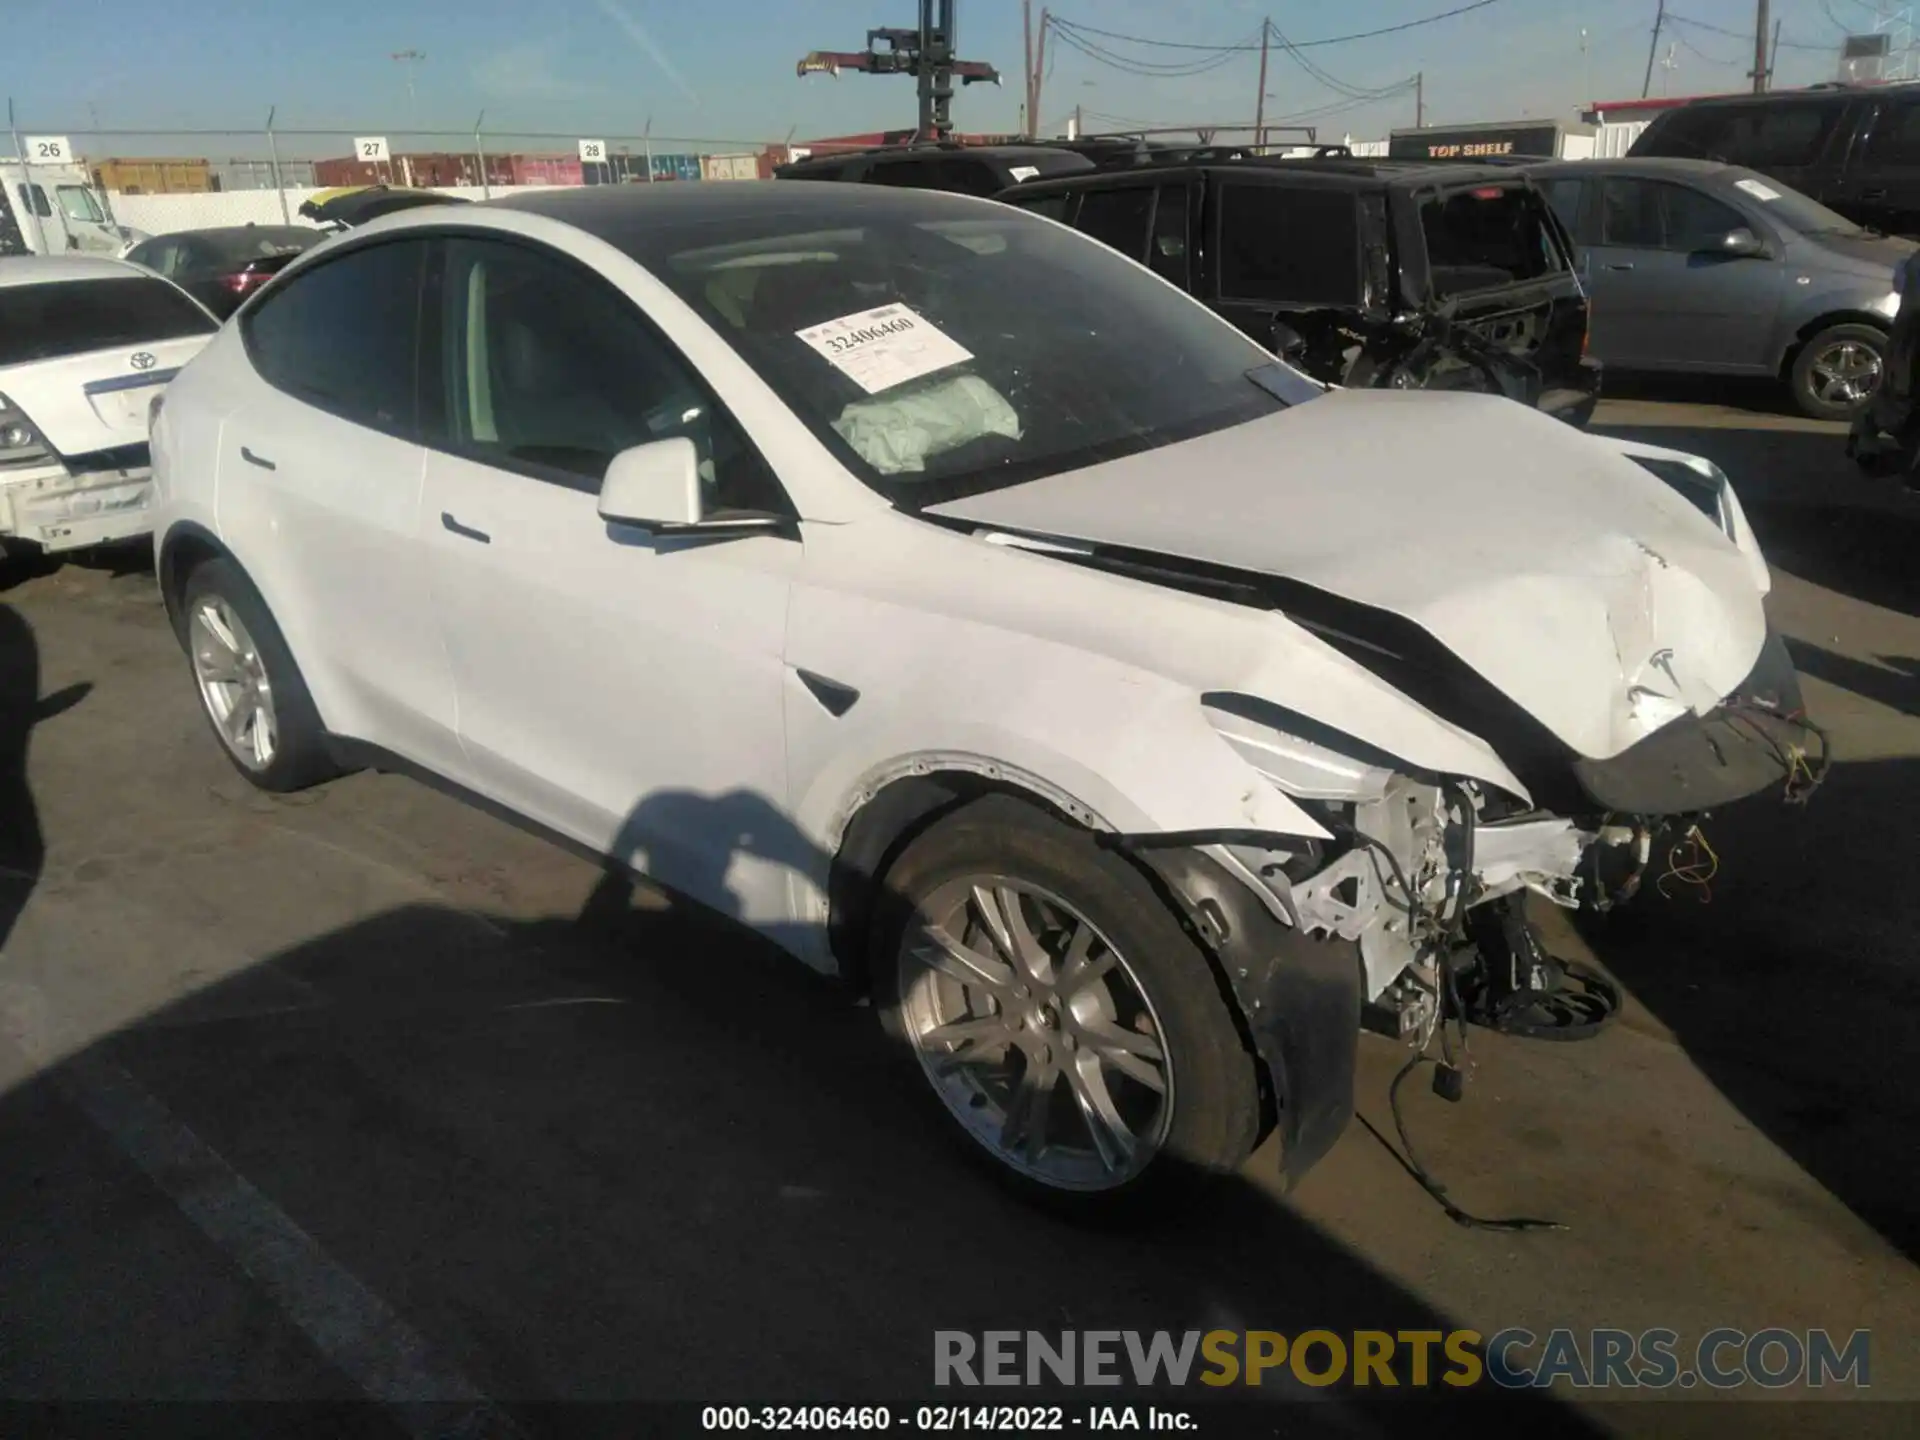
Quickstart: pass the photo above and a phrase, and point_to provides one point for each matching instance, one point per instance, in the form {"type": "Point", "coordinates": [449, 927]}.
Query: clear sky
{"type": "Point", "coordinates": [724, 69]}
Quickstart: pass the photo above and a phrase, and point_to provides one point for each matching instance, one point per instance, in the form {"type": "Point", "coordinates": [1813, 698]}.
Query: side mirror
{"type": "Point", "coordinates": [656, 486]}
{"type": "Point", "coordinates": [1742, 244]}
{"type": "Point", "coordinates": [1285, 341]}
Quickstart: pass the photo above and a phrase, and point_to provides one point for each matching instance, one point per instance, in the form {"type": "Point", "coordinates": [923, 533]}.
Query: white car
{"type": "Point", "coordinates": [971, 612]}
{"type": "Point", "coordinates": [86, 346]}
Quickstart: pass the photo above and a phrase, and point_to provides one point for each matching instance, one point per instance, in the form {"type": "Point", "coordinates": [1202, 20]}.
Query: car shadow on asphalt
{"type": "Point", "coordinates": [1791, 982]}
{"type": "Point", "coordinates": [22, 850]}
{"type": "Point", "coordinates": [640, 1152]}
{"type": "Point", "coordinates": [1815, 515]}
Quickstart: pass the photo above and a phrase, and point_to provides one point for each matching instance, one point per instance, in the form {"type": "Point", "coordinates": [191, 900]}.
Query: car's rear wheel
{"type": "Point", "coordinates": [250, 689]}
{"type": "Point", "coordinates": [1058, 1011]}
{"type": "Point", "coordinates": [1836, 373]}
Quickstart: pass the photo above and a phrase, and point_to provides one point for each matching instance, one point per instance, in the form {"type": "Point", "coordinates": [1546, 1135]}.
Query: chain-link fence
{"type": "Point", "coordinates": [162, 181]}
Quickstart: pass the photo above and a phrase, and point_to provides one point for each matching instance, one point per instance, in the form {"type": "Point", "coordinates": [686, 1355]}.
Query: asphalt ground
{"type": "Point", "coordinates": [338, 1096]}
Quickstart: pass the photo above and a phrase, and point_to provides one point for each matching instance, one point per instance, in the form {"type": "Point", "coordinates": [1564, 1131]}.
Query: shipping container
{"type": "Point", "coordinates": [730, 167]}
{"type": "Point", "coordinates": [154, 177]}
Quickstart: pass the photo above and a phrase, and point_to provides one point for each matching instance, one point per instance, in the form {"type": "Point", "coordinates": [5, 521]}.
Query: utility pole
{"type": "Point", "coordinates": [1420, 100]}
{"type": "Point", "coordinates": [412, 58]}
{"type": "Point", "coordinates": [1773, 56]}
{"type": "Point", "coordinates": [1760, 66]}
{"type": "Point", "coordinates": [1653, 48]}
{"type": "Point", "coordinates": [1040, 67]}
{"type": "Point", "coordinates": [1027, 122]}
{"type": "Point", "coordinates": [1260, 95]}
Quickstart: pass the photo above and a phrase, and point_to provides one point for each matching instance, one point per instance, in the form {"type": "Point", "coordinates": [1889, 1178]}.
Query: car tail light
{"type": "Point", "coordinates": [20, 443]}
{"type": "Point", "coordinates": [1490, 192]}
{"type": "Point", "coordinates": [243, 282]}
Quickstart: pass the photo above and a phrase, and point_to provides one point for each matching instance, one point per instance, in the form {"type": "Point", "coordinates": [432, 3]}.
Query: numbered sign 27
{"type": "Point", "coordinates": [593, 152]}
{"type": "Point", "coordinates": [371, 148]}
{"type": "Point", "coordinates": [47, 149]}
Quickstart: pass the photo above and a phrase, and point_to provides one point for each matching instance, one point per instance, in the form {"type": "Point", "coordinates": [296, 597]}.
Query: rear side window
{"type": "Point", "coordinates": [1118, 218]}
{"type": "Point", "coordinates": [1168, 254]}
{"type": "Point", "coordinates": [969, 177]}
{"type": "Point", "coordinates": [1896, 135]}
{"type": "Point", "coordinates": [345, 336]}
{"type": "Point", "coordinates": [1054, 207]}
{"type": "Point", "coordinates": [1291, 246]}
{"type": "Point", "coordinates": [1565, 196]}
{"type": "Point", "coordinates": [33, 198]}
{"type": "Point", "coordinates": [909, 174]}
{"type": "Point", "coordinates": [1767, 136]}
{"type": "Point", "coordinates": [72, 317]}
{"type": "Point", "coordinates": [1487, 237]}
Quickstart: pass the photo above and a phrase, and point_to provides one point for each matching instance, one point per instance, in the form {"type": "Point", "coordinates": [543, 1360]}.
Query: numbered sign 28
{"type": "Point", "coordinates": [593, 152]}
{"type": "Point", "coordinates": [47, 149]}
{"type": "Point", "coordinates": [371, 148]}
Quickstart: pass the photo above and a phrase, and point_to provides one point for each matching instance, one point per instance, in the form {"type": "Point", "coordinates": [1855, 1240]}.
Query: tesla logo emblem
{"type": "Point", "coordinates": [142, 360]}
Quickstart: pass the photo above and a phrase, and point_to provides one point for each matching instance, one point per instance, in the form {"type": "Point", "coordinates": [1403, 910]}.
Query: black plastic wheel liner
{"type": "Point", "coordinates": [1298, 998]}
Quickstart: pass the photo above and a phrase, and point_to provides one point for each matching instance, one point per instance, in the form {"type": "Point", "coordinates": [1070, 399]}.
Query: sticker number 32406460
{"type": "Point", "coordinates": [887, 346]}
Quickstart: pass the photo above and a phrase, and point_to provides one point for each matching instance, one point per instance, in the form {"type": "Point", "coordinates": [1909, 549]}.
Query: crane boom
{"type": "Point", "coordinates": [926, 53]}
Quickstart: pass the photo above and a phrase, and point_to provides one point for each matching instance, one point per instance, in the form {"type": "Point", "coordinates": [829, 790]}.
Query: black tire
{"type": "Point", "coordinates": [1806, 387]}
{"type": "Point", "coordinates": [300, 758]}
{"type": "Point", "coordinates": [1215, 1105]}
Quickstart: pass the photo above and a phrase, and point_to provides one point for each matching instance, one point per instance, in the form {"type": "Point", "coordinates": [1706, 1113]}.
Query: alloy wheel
{"type": "Point", "coordinates": [1036, 1033]}
{"type": "Point", "coordinates": [1845, 373]}
{"type": "Point", "coordinates": [233, 683]}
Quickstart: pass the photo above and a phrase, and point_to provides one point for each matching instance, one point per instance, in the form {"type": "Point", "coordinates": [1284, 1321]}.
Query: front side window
{"type": "Point", "coordinates": [1291, 246]}
{"type": "Point", "coordinates": [33, 198]}
{"type": "Point", "coordinates": [970, 177]}
{"type": "Point", "coordinates": [344, 336]}
{"type": "Point", "coordinates": [1697, 222]}
{"type": "Point", "coordinates": [911, 174]}
{"type": "Point", "coordinates": [548, 370]}
{"type": "Point", "coordinates": [1054, 207]}
{"type": "Point", "coordinates": [73, 317]}
{"type": "Point", "coordinates": [1896, 135]}
{"type": "Point", "coordinates": [941, 352]}
{"type": "Point", "coordinates": [78, 203]}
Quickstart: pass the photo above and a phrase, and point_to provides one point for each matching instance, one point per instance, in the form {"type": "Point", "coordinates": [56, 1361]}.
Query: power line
{"type": "Point", "coordinates": [1341, 87]}
{"type": "Point", "coordinates": [1300, 45]}
{"type": "Point", "coordinates": [1218, 56]}
{"type": "Point", "coordinates": [1673, 19]}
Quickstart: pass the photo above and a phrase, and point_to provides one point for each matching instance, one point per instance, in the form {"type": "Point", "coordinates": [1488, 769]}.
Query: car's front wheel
{"type": "Point", "coordinates": [250, 689]}
{"type": "Point", "coordinates": [1836, 373]}
{"type": "Point", "coordinates": [1058, 1011]}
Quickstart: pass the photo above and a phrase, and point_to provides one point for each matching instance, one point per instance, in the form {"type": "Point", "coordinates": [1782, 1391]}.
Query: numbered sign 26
{"type": "Point", "coordinates": [47, 149]}
{"type": "Point", "coordinates": [371, 148]}
{"type": "Point", "coordinates": [593, 152]}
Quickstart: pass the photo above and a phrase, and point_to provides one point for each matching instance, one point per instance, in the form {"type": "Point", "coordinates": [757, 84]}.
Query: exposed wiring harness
{"type": "Point", "coordinates": [1448, 1009]}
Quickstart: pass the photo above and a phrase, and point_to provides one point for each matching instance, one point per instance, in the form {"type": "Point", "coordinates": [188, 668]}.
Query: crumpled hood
{"type": "Point", "coordinates": [1589, 592]}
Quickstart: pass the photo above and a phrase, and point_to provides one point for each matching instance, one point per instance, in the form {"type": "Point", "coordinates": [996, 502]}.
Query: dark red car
{"type": "Point", "coordinates": [220, 268]}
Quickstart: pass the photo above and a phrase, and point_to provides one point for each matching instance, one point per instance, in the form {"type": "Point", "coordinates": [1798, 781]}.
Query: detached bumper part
{"type": "Point", "coordinates": [1299, 999]}
{"type": "Point", "coordinates": [66, 511]}
{"type": "Point", "coordinates": [1741, 748]}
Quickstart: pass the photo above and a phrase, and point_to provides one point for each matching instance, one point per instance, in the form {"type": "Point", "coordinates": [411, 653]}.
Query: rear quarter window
{"type": "Point", "coordinates": [1488, 237]}
{"type": "Point", "coordinates": [74, 317]}
{"type": "Point", "coordinates": [1291, 246]}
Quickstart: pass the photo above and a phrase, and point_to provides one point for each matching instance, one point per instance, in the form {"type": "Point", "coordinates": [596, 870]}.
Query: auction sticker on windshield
{"type": "Point", "coordinates": [881, 348]}
{"type": "Point", "coordinates": [1758, 189]}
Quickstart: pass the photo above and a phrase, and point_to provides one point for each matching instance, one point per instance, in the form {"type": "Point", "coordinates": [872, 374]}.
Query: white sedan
{"type": "Point", "coordinates": [971, 612]}
{"type": "Point", "coordinates": [86, 346]}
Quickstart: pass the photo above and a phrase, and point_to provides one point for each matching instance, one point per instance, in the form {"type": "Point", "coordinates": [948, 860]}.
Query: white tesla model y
{"type": "Point", "coordinates": [982, 619]}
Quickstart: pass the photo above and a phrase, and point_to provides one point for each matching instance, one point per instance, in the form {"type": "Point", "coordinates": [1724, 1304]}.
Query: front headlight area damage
{"type": "Point", "coordinates": [1412, 856]}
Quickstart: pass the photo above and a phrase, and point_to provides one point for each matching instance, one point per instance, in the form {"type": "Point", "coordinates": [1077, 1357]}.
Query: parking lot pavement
{"type": "Point", "coordinates": [334, 1094]}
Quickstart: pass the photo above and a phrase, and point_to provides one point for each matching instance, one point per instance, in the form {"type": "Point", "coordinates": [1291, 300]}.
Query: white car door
{"type": "Point", "coordinates": [320, 473]}
{"type": "Point", "coordinates": [623, 688]}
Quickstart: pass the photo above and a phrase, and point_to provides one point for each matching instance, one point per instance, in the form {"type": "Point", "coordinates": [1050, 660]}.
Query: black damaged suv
{"type": "Point", "coordinates": [1407, 274]}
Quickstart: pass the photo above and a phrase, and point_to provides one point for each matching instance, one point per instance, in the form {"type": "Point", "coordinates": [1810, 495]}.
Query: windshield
{"type": "Point", "coordinates": [1792, 209]}
{"type": "Point", "coordinates": [72, 317]}
{"type": "Point", "coordinates": [259, 242]}
{"type": "Point", "coordinates": [941, 357]}
{"type": "Point", "coordinates": [79, 203]}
